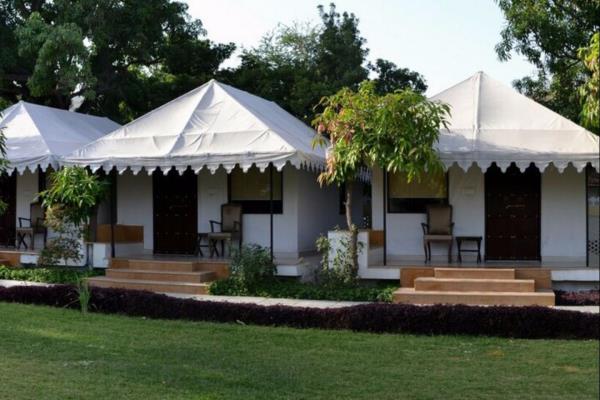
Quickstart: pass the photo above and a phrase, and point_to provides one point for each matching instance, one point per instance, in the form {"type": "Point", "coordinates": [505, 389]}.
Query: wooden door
{"type": "Point", "coordinates": [512, 208]}
{"type": "Point", "coordinates": [175, 199]}
{"type": "Point", "coordinates": [8, 220]}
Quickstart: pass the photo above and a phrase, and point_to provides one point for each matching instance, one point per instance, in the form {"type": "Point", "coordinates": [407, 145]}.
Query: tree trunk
{"type": "Point", "coordinates": [353, 231]}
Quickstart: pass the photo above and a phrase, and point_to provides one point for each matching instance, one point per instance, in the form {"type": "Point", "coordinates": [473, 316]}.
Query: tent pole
{"type": "Point", "coordinates": [271, 207]}
{"type": "Point", "coordinates": [385, 184]}
{"type": "Point", "coordinates": [113, 206]}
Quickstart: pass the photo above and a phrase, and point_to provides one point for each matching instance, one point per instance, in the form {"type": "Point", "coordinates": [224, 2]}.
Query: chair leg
{"type": "Point", "coordinates": [425, 249]}
{"type": "Point", "coordinates": [32, 237]}
{"type": "Point", "coordinates": [450, 252]}
{"type": "Point", "coordinates": [429, 251]}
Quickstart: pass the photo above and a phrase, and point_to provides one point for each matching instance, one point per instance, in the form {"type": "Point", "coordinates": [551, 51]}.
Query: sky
{"type": "Point", "coordinates": [445, 40]}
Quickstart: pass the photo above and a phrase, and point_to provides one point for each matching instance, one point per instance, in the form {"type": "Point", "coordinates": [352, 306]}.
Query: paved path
{"type": "Point", "coordinates": [10, 283]}
{"type": "Point", "coordinates": [265, 301]}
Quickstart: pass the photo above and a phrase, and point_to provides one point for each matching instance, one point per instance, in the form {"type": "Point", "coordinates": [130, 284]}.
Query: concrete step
{"type": "Point", "coordinates": [475, 273]}
{"type": "Point", "coordinates": [474, 285]}
{"type": "Point", "coordinates": [152, 286]}
{"type": "Point", "coordinates": [219, 267]}
{"type": "Point", "coordinates": [411, 296]}
{"type": "Point", "coordinates": [163, 276]}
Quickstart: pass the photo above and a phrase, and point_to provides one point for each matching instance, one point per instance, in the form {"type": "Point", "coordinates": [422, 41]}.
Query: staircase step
{"type": "Point", "coordinates": [153, 286]}
{"type": "Point", "coordinates": [474, 285]}
{"type": "Point", "coordinates": [411, 296]}
{"type": "Point", "coordinates": [163, 276]}
{"type": "Point", "coordinates": [159, 265]}
{"type": "Point", "coordinates": [475, 273]}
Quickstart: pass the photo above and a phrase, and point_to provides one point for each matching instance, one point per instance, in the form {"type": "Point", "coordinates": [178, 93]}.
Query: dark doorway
{"type": "Point", "coordinates": [175, 212]}
{"type": "Point", "coordinates": [512, 208]}
{"type": "Point", "coordinates": [8, 220]}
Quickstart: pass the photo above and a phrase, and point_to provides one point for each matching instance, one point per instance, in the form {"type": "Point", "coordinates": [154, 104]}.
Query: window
{"type": "Point", "coordinates": [251, 190]}
{"type": "Point", "coordinates": [413, 197]}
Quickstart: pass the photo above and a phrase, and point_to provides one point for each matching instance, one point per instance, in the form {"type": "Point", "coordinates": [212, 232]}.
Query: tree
{"type": "Point", "coordinates": [390, 78]}
{"type": "Point", "coordinates": [590, 91]}
{"type": "Point", "coordinates": [119, 58]}
{"type": "Point", "coordinates": [70, 202]}
{"type": "Point", "coordinates": [3, 163]}
{"type": "Point", "coordinates": [395, 132]}
{"type": "Point", "coordinates": [297, 65]}
{"type": "Point", "coordinates": [549, 33]}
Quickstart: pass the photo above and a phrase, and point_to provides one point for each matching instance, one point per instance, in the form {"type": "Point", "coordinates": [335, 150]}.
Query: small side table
{"type": "Point", "coordinates": [474, 239]}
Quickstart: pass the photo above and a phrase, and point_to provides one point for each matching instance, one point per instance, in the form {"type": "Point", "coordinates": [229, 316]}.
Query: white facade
{"type": "Point", "coordinates": [308, 210]}
{"type": "Point", "coordinates": [563, 216]}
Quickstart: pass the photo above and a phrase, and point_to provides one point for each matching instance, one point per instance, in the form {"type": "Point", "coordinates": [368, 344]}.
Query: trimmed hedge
{"type": "Point", "coordinates": [583, 298]}
{"type": "Point", "coordinates": [514, 322]}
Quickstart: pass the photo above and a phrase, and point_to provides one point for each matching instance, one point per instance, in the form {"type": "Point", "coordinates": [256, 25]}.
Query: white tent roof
{"type": "Point", "coordinates": [211, 126]}
{"type": "Point", "coordinates": [37, 135]}
{"type": "Point", "coordinates": [491, 122]}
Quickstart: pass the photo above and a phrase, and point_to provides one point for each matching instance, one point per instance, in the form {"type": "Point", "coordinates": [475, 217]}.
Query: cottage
{"type": "Point", "coordinates": [36, 136]}
{"type": "Point", "coordinates": [520, 177]}
{"type": "Point", "coordinates": [177, 166]}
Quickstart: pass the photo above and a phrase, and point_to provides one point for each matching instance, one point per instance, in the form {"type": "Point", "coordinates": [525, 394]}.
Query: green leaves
{"type": "Point", "coordinates": [549, 33]}
{"type": "Point", "coordinates": [73, 195]}
{"type": "Point", "coordinates": [395, 132]}
{"type": "Point", "coordinates": [61, 59]}
{"type": "Point", "coordinates": [590, 91]}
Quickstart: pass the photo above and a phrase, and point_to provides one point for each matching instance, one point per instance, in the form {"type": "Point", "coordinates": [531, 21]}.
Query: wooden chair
{"type": "Point", "coordinates": [438, 228]}
{"type": "Point", "coordinates": [29, 227]}
{"type": "Point", "coordinates": [230, 228]}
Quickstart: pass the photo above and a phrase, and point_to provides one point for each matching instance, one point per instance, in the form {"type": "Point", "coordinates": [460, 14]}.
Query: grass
{"type": "Point", "coordinates": [62, 354]}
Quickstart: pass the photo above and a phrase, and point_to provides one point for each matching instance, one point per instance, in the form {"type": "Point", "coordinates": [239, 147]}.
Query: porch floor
{"type": "Point", "coordinates": [554, 265]}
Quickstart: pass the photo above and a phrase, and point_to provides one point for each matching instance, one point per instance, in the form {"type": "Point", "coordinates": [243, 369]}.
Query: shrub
{"type": "Point", "coordinates": [47, 275]}
{"type": "Point", "coordinates": [583, 298]}
{"type": "Point", "coordinates": [514, 322]}
{"type": "Point", "coordinates": [292, 289]}
{"type": "Point", "coordinates": [250, 267]}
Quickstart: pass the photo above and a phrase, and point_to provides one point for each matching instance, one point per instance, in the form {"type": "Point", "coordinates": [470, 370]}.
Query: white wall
{"type": "Point", "coordinates": [27, 189]}
{"type": "Point", "coordinates": [256, 227]}
{"type": "Point", "coordinates": [134, 203]}
{"type": "Point", "coordinates": [563, 215]}
{"type": "Point", "coordinates": [318, 210]}
{"type": "Point", "coordinates": [466, 193]}
{"type": "Point", "coordinates": [212, 193]}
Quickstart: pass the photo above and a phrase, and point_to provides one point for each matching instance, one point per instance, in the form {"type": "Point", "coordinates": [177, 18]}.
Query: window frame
{"type": "Point", "coordinates": [414, 205]}
{"type": "Point", "coordinates": [259, 207]}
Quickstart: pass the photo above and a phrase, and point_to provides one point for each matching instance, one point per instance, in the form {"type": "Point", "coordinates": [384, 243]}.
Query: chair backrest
{"type": "Point", "coordinates": [439, 219]}
{"type": "Point", "coordinates": [231, 217]}
{"type": "Point", "coordinates": [37, 214]}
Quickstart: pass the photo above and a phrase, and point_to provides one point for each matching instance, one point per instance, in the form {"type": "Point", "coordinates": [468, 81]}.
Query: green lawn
{"type": "Point", "coordinates": [48, 353]}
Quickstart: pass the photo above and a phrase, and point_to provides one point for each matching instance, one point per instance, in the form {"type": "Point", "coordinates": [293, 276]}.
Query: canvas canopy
{"type": "Point", "coordinates": [37, 135]}
{"type": "Point", "coordinates": [493, 123]}
{"type": "Point", "coordinates": [213, 126]}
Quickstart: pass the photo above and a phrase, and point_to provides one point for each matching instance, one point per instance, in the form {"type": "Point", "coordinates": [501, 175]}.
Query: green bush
{"type": "Point", "coordinates": [253, 274]}
{"type": "Point", "coordinates": [291, 289]}
{"type": "Point", "coordinates": [251, 266]}
{"type": "Point", "coordinates": [47, 275]}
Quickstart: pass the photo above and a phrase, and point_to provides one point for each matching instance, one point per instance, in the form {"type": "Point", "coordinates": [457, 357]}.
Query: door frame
{"type": "Point", "coordinates": [154, 216]}
{"type": "Point", "coordinates": [485, 218]}
{"type": "Point", "coordinates": [10, 178]}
